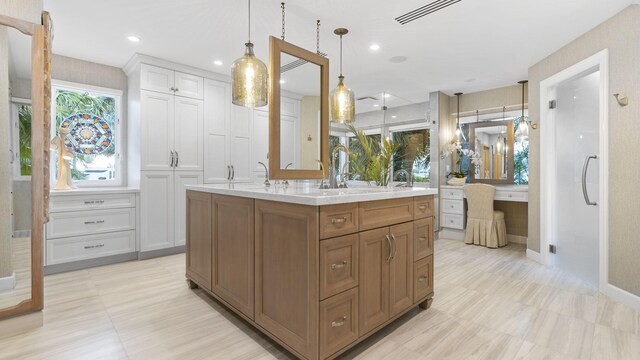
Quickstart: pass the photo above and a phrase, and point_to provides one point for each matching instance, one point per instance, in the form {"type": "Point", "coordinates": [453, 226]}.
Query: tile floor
{"type": "Point", "coordinates": [488, 304]}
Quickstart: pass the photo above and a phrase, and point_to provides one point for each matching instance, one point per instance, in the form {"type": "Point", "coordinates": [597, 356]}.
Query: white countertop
{"type": "Point", "coordinates": [309, 194]}
{"type": "Point", "coordinates": [514, 187]}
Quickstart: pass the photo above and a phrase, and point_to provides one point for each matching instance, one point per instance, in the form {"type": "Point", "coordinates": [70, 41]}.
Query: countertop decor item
{"type": "Point", "coordinates": [65, 154]}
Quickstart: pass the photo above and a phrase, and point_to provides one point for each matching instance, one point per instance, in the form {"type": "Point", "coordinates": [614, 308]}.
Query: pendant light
{"type": "Point", "coordinates": [343, 107]}
{"type": "Point", "coordinates": [459, 134]}
{"type": "Point", "coordinates": [522, 133]}
{"type": "Point", "coordinates": [249, 77]}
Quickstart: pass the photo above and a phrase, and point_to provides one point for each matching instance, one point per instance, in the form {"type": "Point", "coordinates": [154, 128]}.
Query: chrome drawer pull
{"type": "Point", "coordinates": [422, 278]}
{"type": "Point", "coordinates": [94, 246]}
{"type": "Point", "coordinates": [422, 238]}
{"type": "Point", "coordinates": [423, 207]}
{"type": "Point", "coordinates": [339, 220]}
{"type": "Point", "coordinates": [339, 323]}
{"type": "Point", "coordinates": [94, 222]}
{"type": "Point", "coordinates": [94, 202]}
{"type": "Point", "coordinates": [339, 265]}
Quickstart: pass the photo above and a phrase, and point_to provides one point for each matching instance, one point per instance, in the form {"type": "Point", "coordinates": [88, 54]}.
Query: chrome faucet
{"type": "Point", "coordinates": [286, 182]}
{"type": "Point", "coordinates": [266, 174]}
{"type": "Point", "coordinates": [409, 176]}
{"type": "Point", "coordinates": [333, 182]}
{"type": "Point", "coordinates": [343, 175]}
{"type": "Point", "coordinates": [324, 176]}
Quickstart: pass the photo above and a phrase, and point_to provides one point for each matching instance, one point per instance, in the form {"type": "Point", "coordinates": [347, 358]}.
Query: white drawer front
{"type": "Point", "coordinates": [455, 194]}
{"type": "Point", "coordinates": [76, 223]}
{"type": "Point", "coordinates": [91, 202]}
{"type": "Point", "coordinates": [511, 195]}
{"type": "Point", "coordinates": [92, 246]}
{"type": "Point", "coordinates": [453, 221]}
{"type": "Point", "coordinates": [452, 206]}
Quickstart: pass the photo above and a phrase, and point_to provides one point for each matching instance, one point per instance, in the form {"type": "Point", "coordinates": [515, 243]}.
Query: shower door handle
{"type": "Point", "coordinates": [585, 167]}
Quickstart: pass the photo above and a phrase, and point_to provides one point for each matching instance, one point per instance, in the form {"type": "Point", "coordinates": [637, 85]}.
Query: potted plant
{"type": "Point", "coordinates": [459, 177]}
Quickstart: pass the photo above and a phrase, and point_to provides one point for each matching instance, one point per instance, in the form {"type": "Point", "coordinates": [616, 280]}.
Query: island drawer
{"type": "Point", "coordinates": [422, 278]}
{"type": "Point", "coordinates": [376, 214]}
{"type": "Point", "coordinates": [338, 322]}
{"type": "Point", "coordinates": [423, 207]}
{"type": "Point", "coordinates": [338, 265]}
{"type": "Point", "coordinates": [336, 220]}
{"type": "Point", "coordinates": [423, 232]}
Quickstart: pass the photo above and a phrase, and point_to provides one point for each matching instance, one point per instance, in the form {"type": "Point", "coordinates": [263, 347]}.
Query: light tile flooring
{"type": "Point", "coordinates": [21, 260]}
{"type": "Point", "coordinates": [489, 304]}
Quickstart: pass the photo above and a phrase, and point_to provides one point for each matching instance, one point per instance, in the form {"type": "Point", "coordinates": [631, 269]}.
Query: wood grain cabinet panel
{"type": "Point", "coordinates": [375, 252]}
{"type": "Point", "coordinates": [338, 265]}
{"type": "Point", "coordinates": [287, 279]}
{"type": "Point", "coordinates": [338, 322]}
{"type": "Point", "coordinates": [233, 252]}
{"type": "Point", "coordinates": [401, 268]}
{"type": "Point", "coordinates": [423, 234]}
{"type": "Point", "coordinates": [336, 220]}
{"type": "Point", "coordinates": [199, 240]}
{"type": "Point", "coordinates": [423, 278]}
{"type": "Point", "coordinates": [375, 214]}
{"type": "Point", "coordinates": [423, 206]}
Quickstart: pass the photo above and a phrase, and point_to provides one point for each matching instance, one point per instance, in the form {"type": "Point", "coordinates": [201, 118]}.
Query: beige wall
{"type": "Point", "coordinates": [309, 125]}
{"type": "Point", "coordinates": [621, 35]}
{"type": "Point", "coordinates": [28, 10]}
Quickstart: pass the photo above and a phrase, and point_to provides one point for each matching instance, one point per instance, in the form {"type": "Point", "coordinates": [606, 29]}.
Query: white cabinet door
{"type": "Point", "coordinates": [156, 210]}
{"type": "Point", "coordinates": [180, 193]}
{"type": "Point", "coordinates": [217, 103]}
{"type": "Point", "coordinates": [289, 141]}
{"type": "Point", "coordinates": [260, 142]}
{"type": "Point", "coordinates": [188, 85]}
{"type": "Point", "coordinates": [240, 135]}
{"type": "Point", "coordinates": [188, 130]}
{"type": "Point", "coordinates": [156, 130]}
{"type": "Point", "coordinates": [157, 79]}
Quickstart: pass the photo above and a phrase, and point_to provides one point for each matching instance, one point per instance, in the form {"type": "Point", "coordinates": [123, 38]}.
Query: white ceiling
{"type": "Point", "coordinates": [470, 46]}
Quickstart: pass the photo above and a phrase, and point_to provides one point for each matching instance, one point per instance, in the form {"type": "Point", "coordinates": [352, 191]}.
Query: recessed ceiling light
{"type": "Point", "coordinates": [375, 105]}
{"type": "Point", "coordinates": [387, 95]}
{"type": "Point", "coordinates": [217, 62]}
{"type": "Point", "coordinates": [374, 47]}
{"type": "Point", "coordinates": [133, 38]}
{"type": "Point", "coordinates": [282, 81]}
{"type": "Point", "coordinates": [393, 116]}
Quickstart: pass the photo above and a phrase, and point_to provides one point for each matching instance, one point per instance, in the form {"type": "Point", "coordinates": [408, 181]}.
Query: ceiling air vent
{"type": "Point", "coordinates": [425, 10]}
{"type": "Point", "coordinates": [367, 98]}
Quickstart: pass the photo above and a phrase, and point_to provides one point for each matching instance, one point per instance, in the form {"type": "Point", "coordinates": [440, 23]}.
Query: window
{"type": "Point", "coordinates": [333, 142]}
{"type": "Point", "coordinates": [413, 155]}
{"type": "Point", "coordinates": [91, 116]}
{"type": "Point", "coordinates": [520, 157]}
{"type": "Point", "coordinates": [21, 151]}
{"type": "Point", "coordinates": [356, 148]}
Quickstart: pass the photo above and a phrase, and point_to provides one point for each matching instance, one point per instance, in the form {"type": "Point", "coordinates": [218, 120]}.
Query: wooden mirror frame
{"type": "Point", "coordinates": [41, 38]}
{"type": "Point", "coordinates": [510, 143]}
{"type": "Point", "coordinates": [276, 47]}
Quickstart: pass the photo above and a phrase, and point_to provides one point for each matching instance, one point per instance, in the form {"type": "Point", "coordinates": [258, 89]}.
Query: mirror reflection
{"type": "Point", "coordinates": [15, 167]}
{"type": "Point", "coordinates": [300, 84]}
{"type": "Point", "coordinates": [494, 142]}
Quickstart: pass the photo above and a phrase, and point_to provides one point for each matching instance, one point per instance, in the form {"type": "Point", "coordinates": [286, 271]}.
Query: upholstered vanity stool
{"type": "Point", "coordinates": [485, 226]}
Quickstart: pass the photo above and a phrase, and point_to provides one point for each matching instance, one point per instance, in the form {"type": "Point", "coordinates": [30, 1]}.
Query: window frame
{"type": "Point", "coordinates": [119, 131]}
{"type": "Point", "coordinates": [14, 132]}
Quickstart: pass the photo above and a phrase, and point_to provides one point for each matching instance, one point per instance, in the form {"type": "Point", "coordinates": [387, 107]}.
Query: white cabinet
{"type": "Point", "coordinates": [167, 81]}
{"type": "Point", "coordinates": [452, 208]}
{"type": "Point", "coordinates": [228, 134]}
{"type": "Point", "coordinates": [170, 132]}
{"type": "Point", "coordinates": [162, 208]}
{"type": "Point", "coordinates": [260, 143]}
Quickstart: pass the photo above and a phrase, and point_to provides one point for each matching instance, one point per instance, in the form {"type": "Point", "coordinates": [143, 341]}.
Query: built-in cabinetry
{"type": "Point", "coordinates": [453, 209]}
{"type": "Point", "coordinates": [317, 279]}
{"type": "Point", "coordinates": [87, 224]}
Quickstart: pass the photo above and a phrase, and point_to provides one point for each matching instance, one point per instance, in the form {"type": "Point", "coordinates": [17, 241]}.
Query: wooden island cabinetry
{"type": "Point", "coordinates": [316, 279]}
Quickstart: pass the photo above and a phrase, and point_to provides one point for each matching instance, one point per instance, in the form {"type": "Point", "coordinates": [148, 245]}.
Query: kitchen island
{"type": "Point", "coordinates": [316, 270]}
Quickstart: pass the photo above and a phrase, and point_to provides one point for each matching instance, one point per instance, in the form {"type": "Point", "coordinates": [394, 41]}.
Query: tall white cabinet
{"type": "Point", "coordinates": [165, 138]}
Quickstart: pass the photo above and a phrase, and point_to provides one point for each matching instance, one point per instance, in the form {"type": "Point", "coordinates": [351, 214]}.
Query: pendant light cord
{"type": "Point", "coordinates": [282, 7]}
{"type": "Point", "coordinates": [249, 27]}
{"type": "Point", "coordinates": [318, 37]}
{"type": "Point", "coordinates": [522, 115]}
{"type": "Point", "coordinates": [340, 55]}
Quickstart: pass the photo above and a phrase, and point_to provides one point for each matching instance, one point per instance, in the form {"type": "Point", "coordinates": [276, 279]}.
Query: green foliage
{"type": "Point", "coordinates": [371, 160]}
{"type": "Point", "coordinates": [24, 136]}
{"type": "Point", "coordinates": [521, 164]}
{"type": "Point", "coordinates": [413, 153]}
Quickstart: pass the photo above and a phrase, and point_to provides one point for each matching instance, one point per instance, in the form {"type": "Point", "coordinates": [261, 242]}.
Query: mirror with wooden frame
{"type": "Point", "coordinates": [24, 99]}
{"type": "Point", "coordinates": [298, 112]}
{"type": "Point", "coordinates": [494, 141]}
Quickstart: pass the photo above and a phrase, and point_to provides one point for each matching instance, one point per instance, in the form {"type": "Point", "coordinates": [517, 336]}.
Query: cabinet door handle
{"type": "Point", "coordinates": [423, 207]}
{"type": "Point", "coordinates": [233, 173]}
{"type": "Point", "coordinates": [585, 193]}
{"type": "Point", "coordinates": [422, 279]}
{"type": "Point", "coordinates": [172, 158]}
{"type": "Point", "coordinates": [341, 220]}
{"type": "Point", "coordinates": [388, 242]}
{"type": "Point", "coordinates": [177, 158]}
{"type": "Point", "coordinates": [422, 238]}
{"type": "Point", "coordinates": [94, 222]}
{"type": "Point", "coordinates": [228, 172]}
{"type": "Point", "coordinates": [176, 89]}
{"type": "Point", "coordinates": [395, 247]}
{"type": "Point", "coordinates": [94, 246]}
{"type": "Point", "coordinates": [340, 322]}
{"type": "Point", "coordinates": [339, 265]}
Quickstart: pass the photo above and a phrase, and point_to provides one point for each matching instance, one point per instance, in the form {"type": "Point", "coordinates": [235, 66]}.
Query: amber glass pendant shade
{"type": "Point", "coordinates": [343, 103]}
{"type": "Point", "coordinates": [250, 80]}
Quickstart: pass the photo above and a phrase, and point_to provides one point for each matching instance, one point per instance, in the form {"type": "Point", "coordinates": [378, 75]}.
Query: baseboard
{"type": "Point", "coordinates": [517, 239]}
{"type": "Point", "coordinates": [622, 296]}
{"type": "Point", "coordinates": [162, 252]}
{"type": "Point", "coordinates": [8, 282]}
{"type": "Point", "coordinates": [89, 263]}
{"type": "Point", "coordinates": [535, 256]}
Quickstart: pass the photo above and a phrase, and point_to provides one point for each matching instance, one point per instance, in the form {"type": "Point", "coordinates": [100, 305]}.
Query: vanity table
{"type": "Point", "coordinates": [453, 208]}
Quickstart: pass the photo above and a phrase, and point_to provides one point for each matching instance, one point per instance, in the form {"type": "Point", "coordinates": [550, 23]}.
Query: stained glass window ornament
{"type": "Point", "coordinates": [89, 134]}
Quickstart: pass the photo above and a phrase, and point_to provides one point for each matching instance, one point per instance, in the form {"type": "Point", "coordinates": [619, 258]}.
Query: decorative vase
{"type": "Point", "coordinates": [457, 181]}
